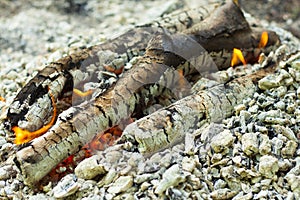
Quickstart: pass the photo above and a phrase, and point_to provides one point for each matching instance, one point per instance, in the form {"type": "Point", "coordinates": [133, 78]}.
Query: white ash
{"type": "Point", "coordinates": [259, 160]}
{"type": "Point", "coordinates": [248, 164]}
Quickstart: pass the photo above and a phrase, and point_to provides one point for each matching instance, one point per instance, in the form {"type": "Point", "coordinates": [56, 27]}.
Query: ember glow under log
{"type": "Point", "coordinates": [201, 46]}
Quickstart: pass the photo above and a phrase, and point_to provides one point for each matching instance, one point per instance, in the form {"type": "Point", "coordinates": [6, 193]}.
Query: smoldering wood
{"type": "Point", "coordinates": [168, 126]}
{"type": "Point", "coordinates": [58, 75]}
{"type": "Point", "coordinates": [165, 54]}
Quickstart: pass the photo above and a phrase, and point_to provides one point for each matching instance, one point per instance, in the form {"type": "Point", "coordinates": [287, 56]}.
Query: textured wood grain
{"type": "Point", "coordinates": [169, 125]}
{"type": "Point", "coordinates": [155, 74]}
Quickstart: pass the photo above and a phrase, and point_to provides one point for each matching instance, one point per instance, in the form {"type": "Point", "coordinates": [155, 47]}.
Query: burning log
{"type": "Point", "coordinates": [168, 126]}
{"type": "Point", "coordinates": [202, 47]}
{"type": "Point", "coordinates": [23, 136]}
{"type": "Point", "coordinates": [70, 72]}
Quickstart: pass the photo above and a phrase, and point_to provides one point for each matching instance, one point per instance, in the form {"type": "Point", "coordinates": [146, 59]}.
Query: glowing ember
{"type": "Point", "coordinates": [23, 136]}
{"type": "Point", "coordinates": [115, 71]}
{"type": "Point", "coordinates": [237, 57]}
{"type": "Point", "coordinates": [263, 40]}
{"type": "Point", "coordinates": [101, 141]}
{"type": "Point", "coordinates": [65, 167]}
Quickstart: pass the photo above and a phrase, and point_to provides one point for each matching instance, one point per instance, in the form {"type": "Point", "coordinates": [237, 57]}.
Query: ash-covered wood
{"type": "Point", "coordinates": [203, 46]}
{"type": "Point", "coordinates": [169, 125]}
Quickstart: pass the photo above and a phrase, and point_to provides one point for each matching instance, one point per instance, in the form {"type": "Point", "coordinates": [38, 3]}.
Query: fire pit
{"type": "Point", "coordinates": [164, 110]}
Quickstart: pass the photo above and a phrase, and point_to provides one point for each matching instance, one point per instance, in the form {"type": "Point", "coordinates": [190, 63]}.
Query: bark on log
{"type": "Point", "coordinates": [168, 126]}
{"type": "Point", "coordinates": [147, 80]}
{"type": "Point", "coordinates": [60, 76]}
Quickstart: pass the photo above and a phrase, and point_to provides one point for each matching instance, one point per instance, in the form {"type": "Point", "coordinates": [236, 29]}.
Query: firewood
{"type": "Point", "coordinates": [168, 126]}
{"type": "Point", "coordinates": [205, 46]}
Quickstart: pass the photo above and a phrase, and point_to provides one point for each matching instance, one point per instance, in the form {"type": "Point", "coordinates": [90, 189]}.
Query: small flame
{"type": "Point", "coordinates": [82, 94]}
{"type": "Point", "coordinates": [2, 99]}
{"type": "Point", "coordinates": [23, 136]}
{"type": "Point", "coordinates": [236, 2]}
{"type": "Point", "coordinates": [237, 57]}
{"type": "Point", "coordinates": [263, 39]}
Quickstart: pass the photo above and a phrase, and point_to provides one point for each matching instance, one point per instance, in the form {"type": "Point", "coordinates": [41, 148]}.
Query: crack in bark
{"type": "Point", "coordinates": [164, 54]}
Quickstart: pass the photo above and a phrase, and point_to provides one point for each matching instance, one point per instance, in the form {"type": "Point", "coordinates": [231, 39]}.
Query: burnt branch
{"type": "Point", "coordinates": [204, 44]}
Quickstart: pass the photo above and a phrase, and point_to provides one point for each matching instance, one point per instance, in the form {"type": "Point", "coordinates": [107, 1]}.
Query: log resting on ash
{"type": "Point", "coordinates": [201, 47]}
{"type": "Point", "coordinates": [168, 126]}
{"type": "Point", "coordinates": [71, 71]}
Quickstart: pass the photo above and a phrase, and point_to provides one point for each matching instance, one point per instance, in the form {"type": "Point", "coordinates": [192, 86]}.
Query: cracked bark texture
{"type": "Point", "coordinates": [153, 75]}
{"type": "Point", "coordinates": [28, 109]}
{"type": "Point", "coordinates": [169, 125]}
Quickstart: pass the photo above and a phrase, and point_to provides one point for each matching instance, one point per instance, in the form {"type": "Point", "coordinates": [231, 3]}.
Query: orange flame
{"type": "Point", "coordinates": [82, 94]}
{"type": "Point", "coordinates": [237, 57]}
{"type": "Point", "coordinates": [23, 136]}
{"type": "Point", "coordinates": [263, 39]}
{"type": "Point", "coordinates": [2, 99]}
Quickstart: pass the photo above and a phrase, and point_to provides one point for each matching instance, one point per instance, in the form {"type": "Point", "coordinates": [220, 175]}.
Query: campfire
{"type": "Point", "coordinates": [108, 138]}
{"type": "Point", "coordinates": [137, 95]}
{"type": "Point", "coordinates": [162, 54]}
